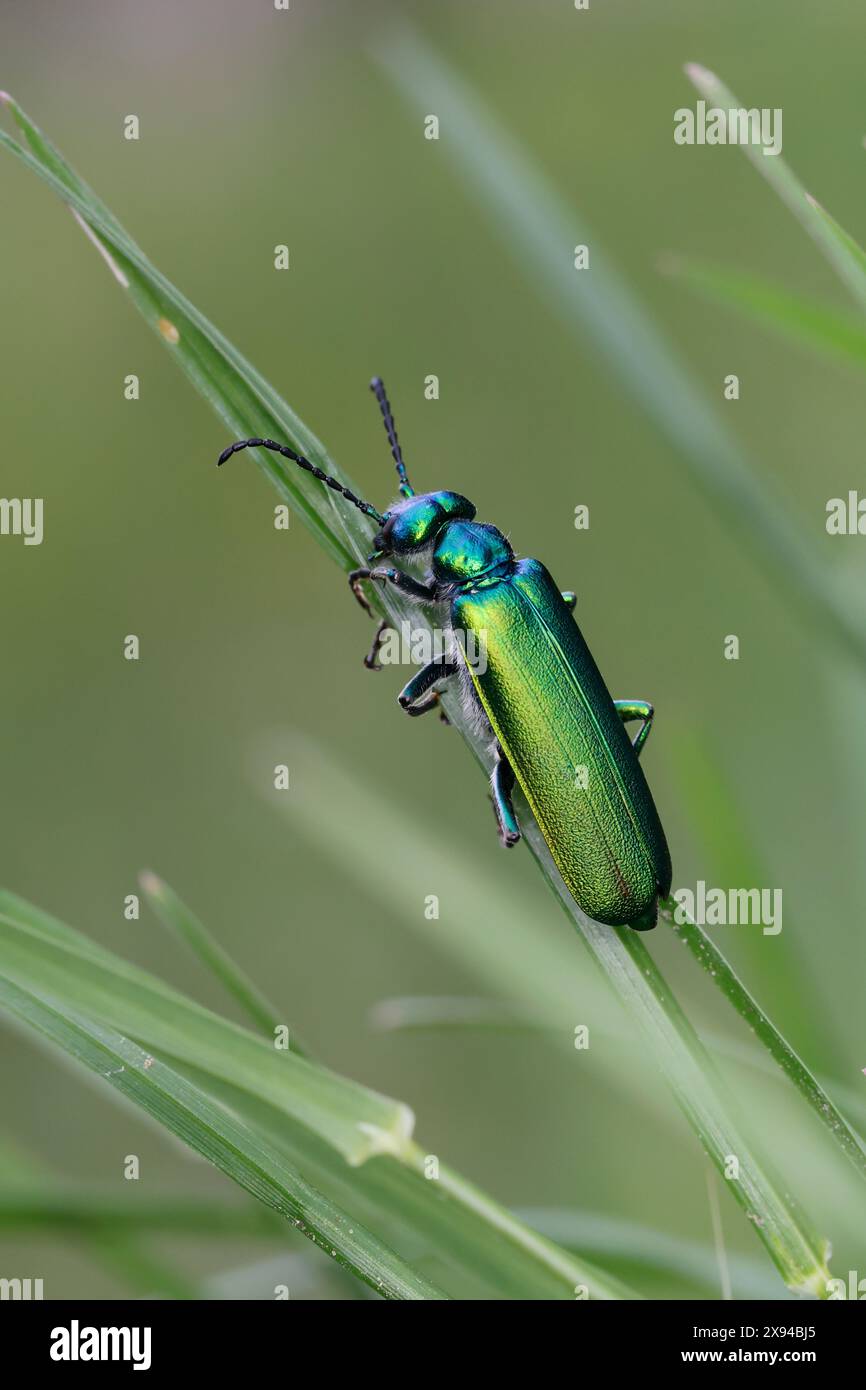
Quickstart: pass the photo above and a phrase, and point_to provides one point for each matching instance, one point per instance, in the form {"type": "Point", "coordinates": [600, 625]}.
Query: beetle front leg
{"type": "Point", "coordinates": [388, 575]}
{"type": "Point", "coordinates": [629, 710]}
{"type": "Point", "coordinates": [569, 598]}
{"type": "Point", "coordinates": [410, 697]}
{"type": "Point", "coordinates": [502, 783]}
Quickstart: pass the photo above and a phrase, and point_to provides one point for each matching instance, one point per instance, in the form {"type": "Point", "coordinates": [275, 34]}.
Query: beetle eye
{"type": "Point", "coordinates": [381, 539]}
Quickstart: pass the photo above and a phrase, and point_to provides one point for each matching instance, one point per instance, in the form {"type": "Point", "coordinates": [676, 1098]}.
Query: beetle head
{"type": "Point", "coordinates": [413, 524]}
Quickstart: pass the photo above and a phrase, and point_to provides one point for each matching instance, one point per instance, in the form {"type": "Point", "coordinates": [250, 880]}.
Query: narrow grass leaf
{"type": "Point", "coordinates": [219, 1137]}
{"type": "Point", "coordinates": [813, 325]}
{"type": "Point", "coordinates": [170, 909]}
{"type": "Point", "coordinates": [30, 1209]}
{"type": "Point", "coordinates": [514, 1237]}
{"type": "Point", "coordinates": [799, 1253]}
{"type": "Point", "coordinates": [355, 1120]}
{"type": "Point", "coordinates": [840, 249]}
{"type": "Point", "coordinates": [319, 1129]}
{"type": "Point", "coordinates": [711, 959]}
{"type": "Point", "coordinates": [247, 404]}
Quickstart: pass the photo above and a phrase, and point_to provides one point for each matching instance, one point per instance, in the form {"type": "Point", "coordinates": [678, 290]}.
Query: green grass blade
{"type": "Point", "coordinates": [356, 1121]}
{"type": "Point", "coordinates": [798, 1253]}
{"type": "Point", "coordinates": [459, 1191]}
{"type": "Point", "coordinates": [231, 1146]}
{"type": "Point", "coordinates": [29, 1209]}
{"type": "Point", "coordinates": [540, 230]}
{"type": "Point", "coordinates": [840, 249]}
{"type": "Point", "coordinates": [492, 1252]}
{"type": "Point", "coordinates": [812, 325]}
{"type": "Point", "coordinates": [708, 955]}
{"type": "Point", "coordinates": [321, 1120]}
{"type": "Point", "coordinates": [573, 1273]}
{"type": "Point", "coordinates": [177, 916]}
{"type": "Point", "coordinates": [729, 854]}
{"type": "Point", "coordinates": [242, 398]}
{"type": "Point", "coordinates": [800, 1256]}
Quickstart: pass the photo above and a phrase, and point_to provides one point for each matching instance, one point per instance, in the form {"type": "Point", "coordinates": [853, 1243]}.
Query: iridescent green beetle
{"type": "Point", "coordinates": [538, 692]}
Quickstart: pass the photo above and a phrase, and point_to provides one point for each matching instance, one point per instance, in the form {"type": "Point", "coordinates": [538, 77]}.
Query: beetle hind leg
{"type": "Point", "coordinates": [628, 711]}
{"type": "Point", "coordinates": [502, 783]}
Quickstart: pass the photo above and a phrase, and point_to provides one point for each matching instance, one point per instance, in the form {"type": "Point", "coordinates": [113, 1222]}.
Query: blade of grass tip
{"type": "Point", "coordinates": [231, 1146]}
{"type": "Point", "coordinates": [175, 914]}
{"type": "Point", "coordinates": [710, 958]}
{"type": "Point", "coordinates": [540, 230]}
{"type": "Point", "coordinates": [239, 394]}
{"type": "Point", "coordinates": [814, 325]}
{"type": "Point", "coordinates": [840, 249]}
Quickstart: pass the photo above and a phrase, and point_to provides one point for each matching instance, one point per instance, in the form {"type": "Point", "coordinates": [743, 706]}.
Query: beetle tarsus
{"type": "Point", "coordinates": [356, 578]}
{"type": "Point", "coordinates": [370, 660]}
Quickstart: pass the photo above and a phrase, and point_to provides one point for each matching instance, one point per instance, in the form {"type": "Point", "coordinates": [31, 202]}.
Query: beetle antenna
{"type": "Point", "coordinates": [377, 386]}
{"type": "Point", "coordinates": [304, 463]}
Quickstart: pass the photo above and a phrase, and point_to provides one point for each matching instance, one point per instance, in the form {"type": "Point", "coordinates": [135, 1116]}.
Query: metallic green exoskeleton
{"type": "Point", "coordinates": [529, 682]}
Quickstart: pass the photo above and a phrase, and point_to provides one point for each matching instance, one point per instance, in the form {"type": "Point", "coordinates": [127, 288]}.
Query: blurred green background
{"type": "Point", "coordinates": [260, 128]}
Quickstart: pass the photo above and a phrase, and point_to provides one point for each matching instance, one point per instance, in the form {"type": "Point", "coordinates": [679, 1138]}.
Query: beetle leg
{"type": "Point", "coordinates": [569, 598]}
{"type": "Point", "coordinates": [410, 699]}
{"type": "Point", "coordinates": [371, 660]}
{"type": "Point", "coordinates": [636, 709]}
{"type": "Point", "coordinates": [404, 582]}
{"type": "Point", "coordinates": [502, 782]}
{"type": "Point", "coordinates": [355, 579]}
